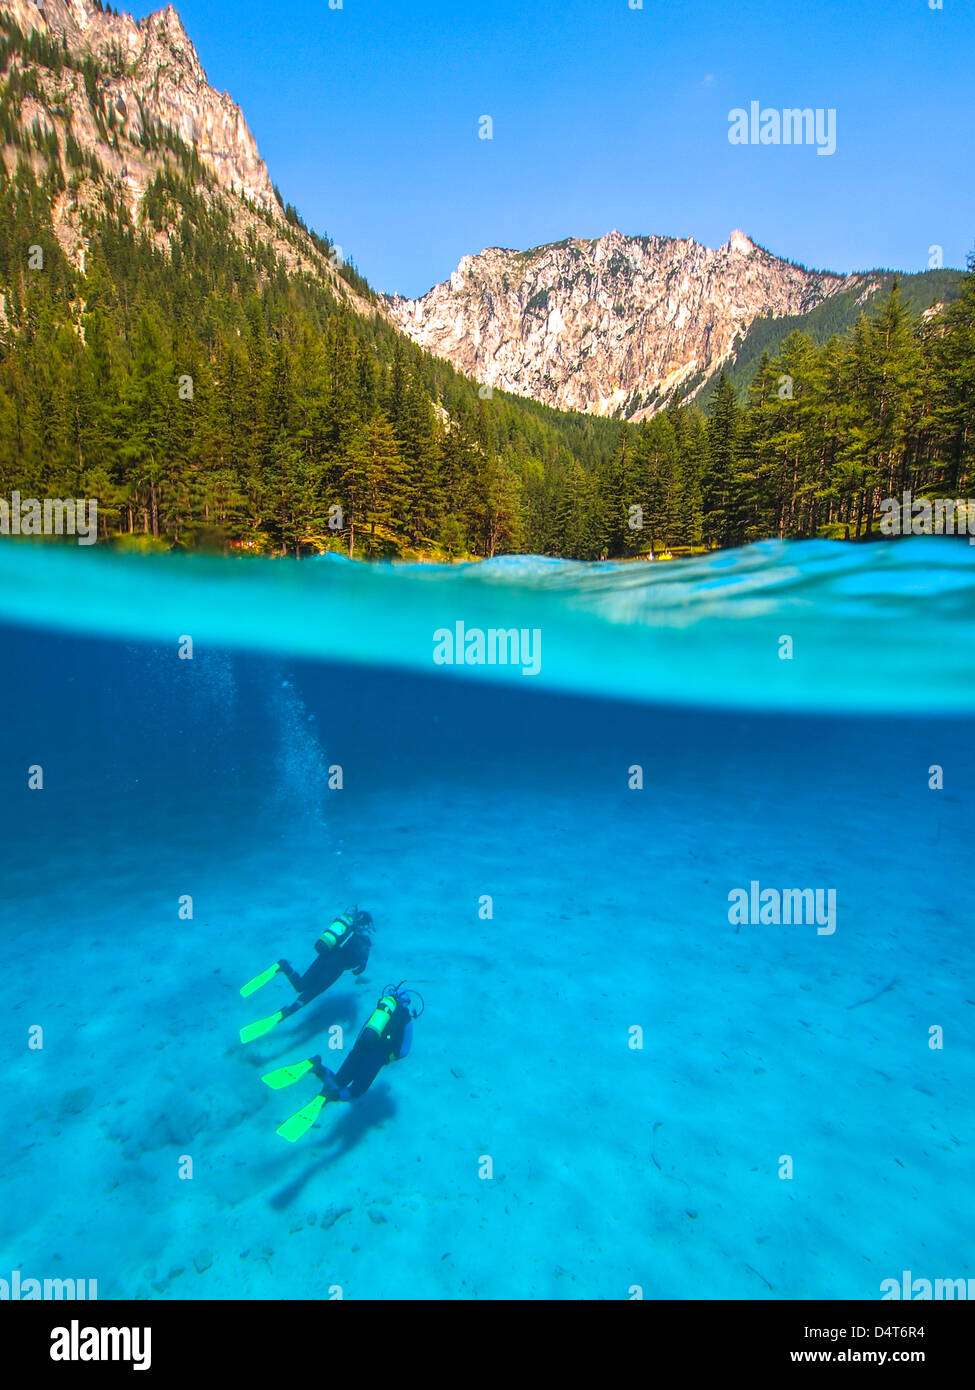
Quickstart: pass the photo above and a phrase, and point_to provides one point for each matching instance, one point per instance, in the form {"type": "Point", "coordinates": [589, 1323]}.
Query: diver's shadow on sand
{"type": "Point", "coordinates": [317, 1018]}
{"type": "Point", "coordinates": [334, 1137]}
{"type": "Point", "coordinates": [289, 1039]}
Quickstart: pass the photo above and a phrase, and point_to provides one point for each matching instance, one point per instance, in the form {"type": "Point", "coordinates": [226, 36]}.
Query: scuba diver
{"type": "Point", "coordinates": [386, 1037]}
{"type": "Point", "coordinates": [344, 946]}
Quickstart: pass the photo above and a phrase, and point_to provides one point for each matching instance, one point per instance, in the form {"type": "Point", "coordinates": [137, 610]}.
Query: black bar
{"type": "Point", "coordinates": [288, 1339]}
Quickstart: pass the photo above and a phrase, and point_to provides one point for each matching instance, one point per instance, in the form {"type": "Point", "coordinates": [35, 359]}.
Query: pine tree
{"type": "Point", "coordinates": [723, 521]}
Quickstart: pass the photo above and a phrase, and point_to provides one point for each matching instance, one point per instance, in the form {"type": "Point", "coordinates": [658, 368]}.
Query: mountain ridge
{"type": "Point", "coordinates": [155, 62]}
{"type": "Point", "coordinates": [205, 366]}
{"type": "Point", "coordinates": [502, 314]}
{"type": "Point", "coordinates": [113, 109]}
{"type": "Point", "coordinates": [614, 326]}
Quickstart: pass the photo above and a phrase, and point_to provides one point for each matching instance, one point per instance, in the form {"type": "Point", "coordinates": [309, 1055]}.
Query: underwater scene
{"type": "Point", "coordinates": [526, 929]}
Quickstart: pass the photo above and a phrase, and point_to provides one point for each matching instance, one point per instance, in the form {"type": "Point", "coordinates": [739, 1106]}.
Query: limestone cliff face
{"type": "Point", "coordinates": [156, 71]}
{"type": "Point", "coordinates": [140, 108]}
{"type": "Point", "coordinates": [612, 326]}
{"type": "Point", "coordinates": [607, 326]}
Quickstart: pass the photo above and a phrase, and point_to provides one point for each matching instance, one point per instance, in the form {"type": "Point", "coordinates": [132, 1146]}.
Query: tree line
{"type": "Point", "coordinates": [207, 395]}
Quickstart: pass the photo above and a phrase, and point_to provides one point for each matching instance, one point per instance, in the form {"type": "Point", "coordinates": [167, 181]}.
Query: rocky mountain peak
{"type": "Point", "coordinates": [166, 39]}
{"type": "Point", "coordinates": [154, 68]}
{"type": "Point", "coordinates": [611, 325]}
{"type": "Point", "coordinates": [740, 244]}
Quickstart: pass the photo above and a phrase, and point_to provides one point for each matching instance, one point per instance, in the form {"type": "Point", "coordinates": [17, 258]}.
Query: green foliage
{"type": "Point", "coordinates": [207, 396]}
{"type": "Point", "coordinates": [211, 397]}
{"type": "Point", "coordinates": [834, 316]}
{"type": "Point", "coordinates": [33, 48]}
{"type": "Point", "coordinates": [830, 430]}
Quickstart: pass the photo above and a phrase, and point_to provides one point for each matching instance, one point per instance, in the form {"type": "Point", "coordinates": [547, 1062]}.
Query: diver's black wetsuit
{"type": "Point", "coordinates": [351, 953]}
{"type": "Point", "coordinates": [330, 964]}
{"type": "Point", "coordinates": [370, 1053]}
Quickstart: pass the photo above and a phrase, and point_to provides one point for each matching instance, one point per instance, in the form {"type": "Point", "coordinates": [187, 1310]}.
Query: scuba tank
{"type": "Point", "coordinates": [393, 998]}
{"type": "Point", "coordinates": [381, 1016]}
{"type": "Point", "coordinates": [338, 934]}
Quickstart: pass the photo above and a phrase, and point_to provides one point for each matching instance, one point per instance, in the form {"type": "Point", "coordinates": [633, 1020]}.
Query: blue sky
{"type": "Point", "coordinates": [603, 117]}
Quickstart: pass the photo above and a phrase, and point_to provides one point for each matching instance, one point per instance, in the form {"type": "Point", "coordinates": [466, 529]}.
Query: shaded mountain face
{"type": "Point", "coordinates": [613, 326]}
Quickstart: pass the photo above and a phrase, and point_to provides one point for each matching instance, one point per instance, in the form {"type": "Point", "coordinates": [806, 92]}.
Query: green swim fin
{"type": "Point", "coordinates": [301, 1122]}
{"type": "Point", "coordinates": [252, 986]}
{"type": "Point", "coordinates": [287, 1076]}
{"type": "Point", "coordinates": [262, 1026]}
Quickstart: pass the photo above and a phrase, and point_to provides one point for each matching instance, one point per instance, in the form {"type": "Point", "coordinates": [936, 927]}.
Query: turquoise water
{"type": "Point", "coordinates": [637, 1068]}
{"type": "Point", "coordinates": [886, 627]}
